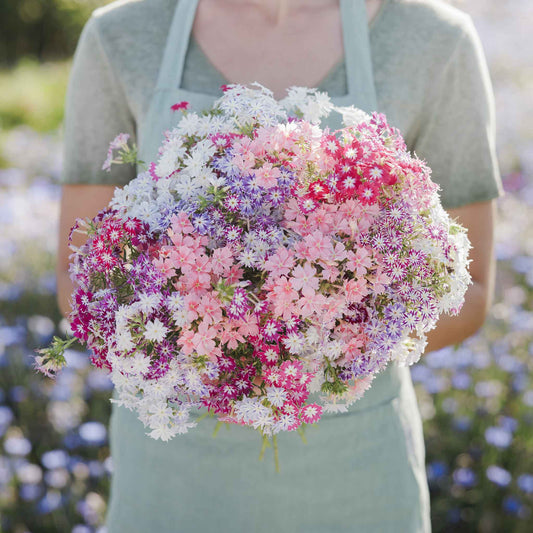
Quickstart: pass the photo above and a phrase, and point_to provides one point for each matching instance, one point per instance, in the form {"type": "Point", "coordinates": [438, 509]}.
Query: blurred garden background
{"type": "Point", "coordinates": [476, 400]}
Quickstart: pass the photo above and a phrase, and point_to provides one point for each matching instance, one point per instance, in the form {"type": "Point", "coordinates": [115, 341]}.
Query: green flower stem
{"type": "Point", "coordinates": [276, 453]}
{"type": "Point", "coordinates": [217, 428]}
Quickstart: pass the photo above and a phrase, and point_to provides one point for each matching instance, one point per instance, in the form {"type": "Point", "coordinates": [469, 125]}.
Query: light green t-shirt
{"type": "Point", "coordinates": [429, 69]}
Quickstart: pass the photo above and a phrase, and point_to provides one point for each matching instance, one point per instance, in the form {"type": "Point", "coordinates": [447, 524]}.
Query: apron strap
{"type": "Point", "coordinates": [359, 73]}
{"type": "Point", "coordinates": [171, 69]}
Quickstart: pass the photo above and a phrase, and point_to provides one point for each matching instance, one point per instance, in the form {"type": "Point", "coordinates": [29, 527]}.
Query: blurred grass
{"type": "Point", "coordinates": [33, 94]}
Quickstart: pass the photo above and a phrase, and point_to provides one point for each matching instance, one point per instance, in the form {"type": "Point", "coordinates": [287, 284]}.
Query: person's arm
{"type": "Point", "coordinates": [77, 201]}
{"type": "Point", "coordinates": [478, 218]}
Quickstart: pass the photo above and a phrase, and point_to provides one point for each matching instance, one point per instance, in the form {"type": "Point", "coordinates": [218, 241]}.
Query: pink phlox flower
{"type": "Point", "coordinates": [267, 175]}
{"type": "Point", "coordinates": [302, 225]}
{"type": "Point", "coordinates": [181, 257]}
{"type": "Point", "coordinates": [368, 215]}
{"type": "Point", "coordinates": [329, 272]}
{"type": "Point", "coordinates": [322, 220]}
{"type": "Point", "coordinates": [164, 266]}
{"type": "Point", "coordinates": [380, 281]}
{"type": "Point", "coordinates": [199, 271]}
{"type": "Point", "coordinates": [210, 309]}
{"type": "Point", "coordinates": [319, 246]}
{"type": "Point", "coordinates": [120, 142]}
{"type": "Point", "coordinates": [291, 371]}
{"type": "Point", "coordinates": [332, 308]}
{"type": "Point", "coordinates": [283, 290]}
{"type": "Point", "coordinates": [192, 303]}
{"type": "Point", "coordinates": [186, 341]}
{"type": "Point", "coordinates": [203, 339]}
{"type": "Point", "coordinates": [355, 290]}
{"type": "Point", "coordinates": [359, 261]}
{"type": "Point", "coordinates": [181, 223]}
{"type": "Point", "coordinates": [234, 275]}
{"type": "Point", "coordinates": [307, 305]}
{"type": "Point", "coordinates": [291, 210]}
{"type": "Point", "coordinates": [248, 325]}
{"type": "Point", "coordinates": [281, 262]}
{"type": "Point", "coordinates": [304, 278]}
{"type": "Point", "coordinates": [286, 308]}
{"type": "Point", "coordinates": [221, 260]}
{"type": "Point", "coordinates": [311, 413]}
{"type": "Point", "coordinates": [243, 157]}
{"type": "Point", "coordinates": [232, 337]}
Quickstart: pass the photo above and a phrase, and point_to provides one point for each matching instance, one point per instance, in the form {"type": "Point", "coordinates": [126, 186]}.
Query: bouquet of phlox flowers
{"type": "Point", "coordinates": [263, 268]}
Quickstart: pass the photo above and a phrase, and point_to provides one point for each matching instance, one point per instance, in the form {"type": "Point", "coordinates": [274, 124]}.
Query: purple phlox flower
{"type": "Point", "coordinates": [276, 196]}
{"type": "Point", "coordinates": [395, 311]}
{"type": "Point", "coordinates": [363, 365]}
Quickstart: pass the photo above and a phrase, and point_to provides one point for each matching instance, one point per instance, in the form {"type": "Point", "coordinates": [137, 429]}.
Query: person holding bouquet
{"type": "Point", "coordinates": [420, 63]}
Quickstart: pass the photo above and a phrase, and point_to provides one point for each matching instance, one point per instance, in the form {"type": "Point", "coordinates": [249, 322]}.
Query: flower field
{"type": "Point", "coordinates": [476, 399]}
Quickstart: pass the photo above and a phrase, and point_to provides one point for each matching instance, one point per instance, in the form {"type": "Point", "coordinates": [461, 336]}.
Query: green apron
{"type": "Point", "coordinates": [361, 471]}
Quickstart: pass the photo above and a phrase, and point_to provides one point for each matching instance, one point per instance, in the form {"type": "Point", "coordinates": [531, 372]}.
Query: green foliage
{"type": "Point", "coordinates": [33, 95]}
{"type": "Point", "coordinates": [42, 29]}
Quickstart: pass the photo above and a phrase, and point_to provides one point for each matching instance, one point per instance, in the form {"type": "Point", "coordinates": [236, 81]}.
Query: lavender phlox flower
{"type": "Point", "coordinates": [277, 396]}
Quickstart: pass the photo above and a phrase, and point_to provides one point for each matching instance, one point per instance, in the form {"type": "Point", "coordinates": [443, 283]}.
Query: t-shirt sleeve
{"type": "Point", "coordinates": [456, 135]}
{"type": "Point", "coordinates": [96, 111]}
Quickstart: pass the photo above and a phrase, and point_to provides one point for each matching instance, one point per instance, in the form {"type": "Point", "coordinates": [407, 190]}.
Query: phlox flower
{"type": "Point", "coordinates": [359, 261]}
{"type": "Point", "coordinates": [280, 263]}
{"type": "Point", "coordinates": [203, 339]}
{"type": "Point", "coordinates": [210, 308]}
{"type": "Point", "coordinates": [304, 278]}
{"type": "Point", "coordinates": [276, 396]}
{"type": "Point", "coordinates": [311, 413]}
{"type": "Point", "coordinates": [319, 246]}
{"type": "Point", "coordinates": [267, 175]}
{"type": "Point", "coordinates": [355, 290]}
{"type": "Point", "coordinates": [155, 330]}
{"type": "Point", "coordinates": [181, 223]}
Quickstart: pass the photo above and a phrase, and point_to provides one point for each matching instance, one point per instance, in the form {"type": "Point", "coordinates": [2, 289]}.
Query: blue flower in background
{"type": "Point", "coordinates": [498, 436]}
{"type": "Point", "coordinates": [499, 476]}
{"type": "Point", "coordinates": [93, 433]}
{"type": "Point", "coordinates": [462, 423]}
{"type": "Point", "coordinates": [525, 482]}
{"type": "Point", "coordinates": [461, 380]}
{"type": "Point", "coordinates": [465, 477]}
{"type": "Point", "coordinates": [512, 505]}
{"type": "Point", "coordinates": [436, 470]}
